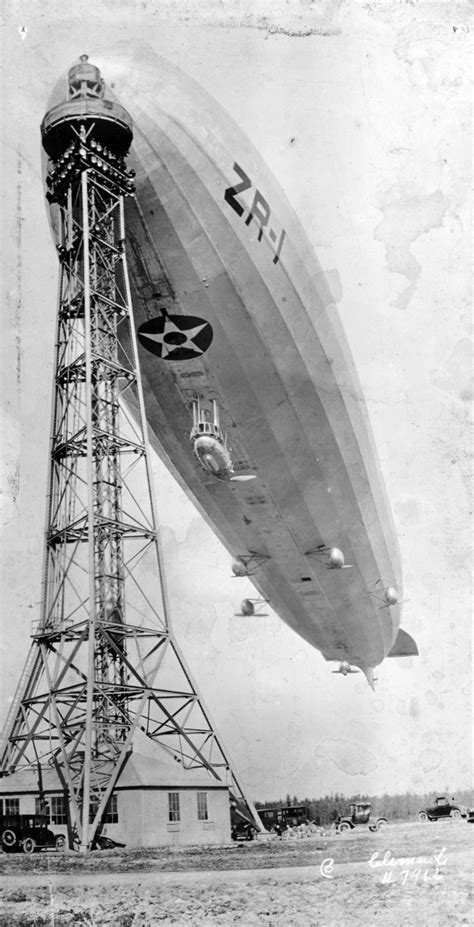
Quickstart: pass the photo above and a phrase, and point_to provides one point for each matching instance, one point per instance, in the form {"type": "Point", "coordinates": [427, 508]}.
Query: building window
{"type": "Point", "coordinates": [12, 806]}
{"type": "Point", "coordinates": [111, 814]}
{"type": "Point", "coordinates": [58, 809]}
{"type": "Point", "coordinates": [42, 807]}
{"type": "Point", "coordinates": [93, 806]}
{"type": "Point", "coordinates": [173, 806]}
{"type": "Point", "coordinates": [202, 806]}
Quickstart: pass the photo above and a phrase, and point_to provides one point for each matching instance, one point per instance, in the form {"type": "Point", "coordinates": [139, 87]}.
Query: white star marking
{"type": "Point", "coordinates": [171, 328]}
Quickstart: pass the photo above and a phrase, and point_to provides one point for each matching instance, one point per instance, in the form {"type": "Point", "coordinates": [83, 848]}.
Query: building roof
{"type": "Point", "coordinates": [149, 772]}
{"type": "Point", "coordinates": [139, 772]}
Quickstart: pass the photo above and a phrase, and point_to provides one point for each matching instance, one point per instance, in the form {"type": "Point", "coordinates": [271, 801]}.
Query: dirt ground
{"type": "Point", "coordinates": [412, 874]}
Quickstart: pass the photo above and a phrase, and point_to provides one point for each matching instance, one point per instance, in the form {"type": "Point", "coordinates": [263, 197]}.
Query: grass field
{"type": "Point", "coordinates": [406, 875]}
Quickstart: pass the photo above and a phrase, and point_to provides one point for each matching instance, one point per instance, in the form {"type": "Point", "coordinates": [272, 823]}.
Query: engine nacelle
{"type": "Point", "coordinates": [213, 456]}
{"type": "Point", "coordinates": [247, 607]}
{"type": "Point", "coordinates": [238, 567]}
{"type": "Point", "coordinates": [335, 559]}
{"type": "Point", "coordinates": [210, 445]}
{"type": "Point", "coordinates": [391, 595]}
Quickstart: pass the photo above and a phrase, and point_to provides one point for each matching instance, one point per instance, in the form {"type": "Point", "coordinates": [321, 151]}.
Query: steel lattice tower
{"type": "Point", "coordinates": [103, 663]}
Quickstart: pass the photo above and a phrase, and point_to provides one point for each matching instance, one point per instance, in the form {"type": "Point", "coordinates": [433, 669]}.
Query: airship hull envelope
{"type": "Point", "coordinates": [211, 236]}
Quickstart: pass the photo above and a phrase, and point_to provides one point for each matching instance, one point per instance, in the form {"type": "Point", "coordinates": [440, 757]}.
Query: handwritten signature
{"type": "Point", "coordinates": [402, 869]}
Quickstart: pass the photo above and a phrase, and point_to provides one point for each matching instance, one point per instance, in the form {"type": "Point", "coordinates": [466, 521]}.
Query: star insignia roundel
{"type": "Point", "coordinates": [176, 337]}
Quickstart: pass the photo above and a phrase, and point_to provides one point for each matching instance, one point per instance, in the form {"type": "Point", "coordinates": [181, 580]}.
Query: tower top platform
{"type": "Point", "coordinates": [86, 105]}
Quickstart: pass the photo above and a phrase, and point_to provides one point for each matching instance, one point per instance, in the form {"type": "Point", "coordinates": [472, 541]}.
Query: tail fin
{"type": "Point", "coordinates": [368, 672]}
{"type": "Point", "coordinates": [404, 646]}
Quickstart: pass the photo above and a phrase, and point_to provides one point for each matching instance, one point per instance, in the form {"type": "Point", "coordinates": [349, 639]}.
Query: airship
{"type": "Point", "coordinates": [252, 397]}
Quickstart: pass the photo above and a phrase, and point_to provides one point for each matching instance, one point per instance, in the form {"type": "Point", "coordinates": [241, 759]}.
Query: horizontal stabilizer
{"type": "Point", "coordinates": [404, 646]}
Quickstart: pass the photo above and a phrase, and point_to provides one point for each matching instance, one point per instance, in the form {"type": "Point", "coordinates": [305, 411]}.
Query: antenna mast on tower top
{"type": "Point", "coordinates": [103, 663]}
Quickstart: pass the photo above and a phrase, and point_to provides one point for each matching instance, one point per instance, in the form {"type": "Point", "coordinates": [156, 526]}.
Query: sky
{"type": "Point", "coordinates": [361, 111]}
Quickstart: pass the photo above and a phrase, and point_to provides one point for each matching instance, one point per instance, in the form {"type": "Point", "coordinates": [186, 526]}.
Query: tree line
{"type": "Point", "coordinates": [402, 807]}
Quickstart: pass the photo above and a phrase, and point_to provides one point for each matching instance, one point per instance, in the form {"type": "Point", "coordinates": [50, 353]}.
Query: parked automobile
{"type": "Point", "coordinates": [359, 814]}
{"type": "Point", "coordinates": [28, 832]}
{"type": "Point", "coordinates": [243, 830]}
{"type": "Point", "coordinates": [443, 808]}
{"type": "Point", "coordinates": [283, 816]}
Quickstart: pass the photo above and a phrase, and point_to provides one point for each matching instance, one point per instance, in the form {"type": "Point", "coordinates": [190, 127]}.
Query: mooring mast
{"type": "Point", "coordinates": [103, 663]}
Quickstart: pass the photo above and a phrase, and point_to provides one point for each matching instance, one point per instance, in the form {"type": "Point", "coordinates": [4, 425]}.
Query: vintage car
{"type": "Point", "coordinates": [443, 808]}
{"type": "Point", "coordinates": [359, 814]}
{"type": "Point", "coordinates": [243, 830]}
{"type": "Point", "coordinates": [28, 832]}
